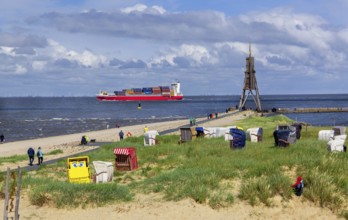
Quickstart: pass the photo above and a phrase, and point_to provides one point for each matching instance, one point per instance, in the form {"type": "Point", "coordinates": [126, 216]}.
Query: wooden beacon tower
{"type": "Point", "coordinates": [250, 84]}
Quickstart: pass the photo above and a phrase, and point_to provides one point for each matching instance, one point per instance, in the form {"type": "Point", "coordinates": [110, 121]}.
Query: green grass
{"type": "Point", "coordinates": [13, 159]}
{"type": "Point", "coordinates": [63, 194]}
{"type": "Point", "coordinates": [55, 152]}
{"type": "Point", "coordinates": [17, 158]}
{"type": "Point", "coordinates": [209, 172]}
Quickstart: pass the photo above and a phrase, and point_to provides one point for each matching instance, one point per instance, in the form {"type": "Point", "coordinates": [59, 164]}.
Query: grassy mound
{"type": "Point", "coordinates": [208, 171]}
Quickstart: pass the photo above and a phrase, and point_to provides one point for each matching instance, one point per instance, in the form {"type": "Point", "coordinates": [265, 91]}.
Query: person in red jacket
{"type": "Point", "coordinates": [298, 186]}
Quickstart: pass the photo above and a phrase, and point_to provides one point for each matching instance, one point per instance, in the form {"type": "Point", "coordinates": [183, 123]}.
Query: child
{"type": "Point", "coordinates": [298, 186]}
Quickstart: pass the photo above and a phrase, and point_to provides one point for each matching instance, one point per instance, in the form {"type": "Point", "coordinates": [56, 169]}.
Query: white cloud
{"type": "Point", "coordinates": [160, 9]}
{"type": "Point", "coordinates": [343, 35]}
{"type": "Point", "coordinates": [20, 69]}
{"type": "Point", "coordinates": [305, 28]}
{"type": "Point", "coordinates": [196, 52]}
{"type": "Point", "coordinates": [143, 8]}
{"type": "Point", "coordinates": [196, 55]}
{"type": "Point", "coordinates": [39, 65]}
{"type": "Point", "coordinates": [85, 58]}
{"type": "Point", "coordinates": [7, 51]}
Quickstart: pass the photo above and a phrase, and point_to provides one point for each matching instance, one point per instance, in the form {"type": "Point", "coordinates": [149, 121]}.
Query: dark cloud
{"type": "Point", "coordinates": [278, 60]}
{"type": "Point", "coordinates": [133, 64]}
{"type": "Point", "coordinates": [24, 51]}
{"type": "Point", "coordinates": [163, 63]}
{"type": "Point", "coordinates": [116, 62]}
{"type": "Point", "coordinates": [65, 63]}
{"type": "Point", "coordinates": [183, 61]}
{"type": "Point", "coordinates": [17, 40]}
{"type": "Point", "coordinates": [187, 26]}
{"type": "Point", "coordinates": [8, 63]}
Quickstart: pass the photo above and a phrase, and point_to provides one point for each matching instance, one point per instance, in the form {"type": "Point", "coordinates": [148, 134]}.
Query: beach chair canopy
{"type": "Point", "coordinates": [209, 132]}
{"type": "Point", "coordinates": [104, 171]}
{"type": "Point", "coordinates": [336, 145]}
{"type": "Point", "coordinates": [125, 151]}
{"type": "Point", "coordinates": [284, 138]}
{"type": "Point", "coordinates": [254, 134]}
{"type": "Point", "coordinates": [126, 158]}
{"type": "Point", "coordinates": [326, 135]}
{"type": "Point", "coordinates": [340, 137]}
{"type": "Point", "coordinates": [298, 127]}
{"type": "Point", "coordinates": [150, 137]}
{"type": "Point", "coordinates": [239, 138]}
{"type": "Point", "coordinates": [339, 130]}
{"type": "Point", "coordinates": [187, 134]}
{"type": "Point", "coordinates": [220, 131]}
{"type": "Point", "coordinates": [200, 129]}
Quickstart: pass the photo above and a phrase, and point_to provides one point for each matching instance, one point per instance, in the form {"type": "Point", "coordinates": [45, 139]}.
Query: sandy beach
{"type": "Point", "coordinates": [151, 206]}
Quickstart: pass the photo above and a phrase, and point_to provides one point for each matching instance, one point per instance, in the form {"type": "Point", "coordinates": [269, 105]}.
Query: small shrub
{"type": "Point", "coordinates": [64, 194]}
{"type": "Point", "coordinates": [230, 198]}
{"type": "Point", "coordinates": [38, 198]}
{"type": "Point", "coordinates": [256, 190]}
{"type": "Point", "coordinates": [319, 187]}
{"type": "Point", "coordinates": [215, 201]}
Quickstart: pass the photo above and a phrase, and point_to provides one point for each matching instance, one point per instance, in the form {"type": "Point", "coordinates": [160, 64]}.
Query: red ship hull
{"type": "Point", "coordinates": [138, 98]}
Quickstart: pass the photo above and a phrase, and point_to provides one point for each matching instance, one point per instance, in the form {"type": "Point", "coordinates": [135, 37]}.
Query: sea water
{"type": "Point", "coordinates": [33, 117]}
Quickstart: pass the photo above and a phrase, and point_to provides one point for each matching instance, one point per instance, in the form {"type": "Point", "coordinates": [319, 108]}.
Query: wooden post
{"type": "Point", "coordinates": [18, 194]}
{"type": "Point", "coordinates": [6, 194]}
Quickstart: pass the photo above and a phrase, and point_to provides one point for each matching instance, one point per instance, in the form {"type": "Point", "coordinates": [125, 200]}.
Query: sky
{"type": "Point", "coordinates": [77, 48]}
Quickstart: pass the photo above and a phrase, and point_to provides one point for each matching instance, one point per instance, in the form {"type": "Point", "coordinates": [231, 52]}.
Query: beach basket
{"type": "Point", "coordinates": [104, 171]}
{"type": "Point", "coordinates": [254, 134]}
{"type": "Point", "coordinates": [78, 169]}
{"type": "Point", "coordinates": [336, 146]}
{"type": "Point", "coordinates": [339, 130]}
{"type": "Point", "coordinates": [326, 135]}
{"type": "Point", "coordinates": [298, 127]}
{"type": "Point", "coordinates": [187, 134]}
{"type": "Point", "coordinates": [126, 158]}
{"type": "Point", "coordinates": [150, 138]}
{"type": "Point", "coordinates": [238, 138]}
{"type": "Point", "coordinates": [200, 131]}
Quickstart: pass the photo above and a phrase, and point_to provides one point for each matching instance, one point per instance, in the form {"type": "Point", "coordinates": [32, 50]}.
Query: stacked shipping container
{"type": "Point", "coordinates": [156, 90]}
{"type": "Point", "coordinates": [164, 90]}
{"type": "Point", "coordinates": [147, 91]}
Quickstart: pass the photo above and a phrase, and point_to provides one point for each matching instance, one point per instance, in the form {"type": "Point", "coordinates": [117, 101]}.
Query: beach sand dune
{"type": "Point", "coordinates": [150, 206]}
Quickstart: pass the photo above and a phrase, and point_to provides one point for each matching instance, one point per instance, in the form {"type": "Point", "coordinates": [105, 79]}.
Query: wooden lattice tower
{"type": "Point", "coordinates": [250, 84]}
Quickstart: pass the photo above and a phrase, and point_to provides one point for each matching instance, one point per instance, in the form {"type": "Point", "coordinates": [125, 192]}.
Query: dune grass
{"type": "Point", "coordinates": [13, 159]}
{"type": "Point", "coordinates": [74, 195]}
{"type": "Point", "coordinates": [17, 158]}
{"type": "Point", "coordinates": [209, 172]}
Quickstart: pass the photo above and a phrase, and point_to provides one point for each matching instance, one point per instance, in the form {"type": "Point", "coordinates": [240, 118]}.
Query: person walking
{"type": "Point", "coordinates": [121, 134]}
{"type": "Point", "coordinates": [2, 138]}
{"type": "Point", "coordinates": [39, 155]}
{"type": "Point", "coordinates": [31, 154]}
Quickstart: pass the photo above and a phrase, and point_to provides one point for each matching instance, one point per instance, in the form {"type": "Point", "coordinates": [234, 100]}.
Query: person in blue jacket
{"type": "Point", "coordinates": [121, 135]}
{"type": "Point", "coordinates": [31, 154]}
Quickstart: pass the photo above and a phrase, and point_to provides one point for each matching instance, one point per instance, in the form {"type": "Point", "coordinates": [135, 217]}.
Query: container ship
{"type": "Point", "coordinates": [159, 93]}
